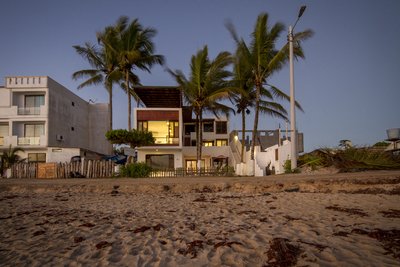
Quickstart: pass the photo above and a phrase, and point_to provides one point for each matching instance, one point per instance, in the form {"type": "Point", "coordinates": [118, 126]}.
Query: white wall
{"type": "Point", "coordinates": [178, 159]}
{"type": "Point", "coordinates": [263, 158]}
{"type": "Point", "coordinates": [5, 97]}
{"type": "Point", "coordinates": [55, 154]}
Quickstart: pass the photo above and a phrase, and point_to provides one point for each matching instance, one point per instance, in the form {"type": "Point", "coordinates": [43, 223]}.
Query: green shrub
{"type": "Point", "coordinates": [136, 170]}
{"type": "Point", "coordinates": [287, 166]}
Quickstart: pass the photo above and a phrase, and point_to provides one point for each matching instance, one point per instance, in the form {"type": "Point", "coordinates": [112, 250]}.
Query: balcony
{"type": "Point", "coordinates": [2, 141]}
{"type": "Point", "coordinates": [28, 141]}
{"type": "Point", "coordinates": [29, 111]}
{"type": "Point", "coordinates": [166, 141]}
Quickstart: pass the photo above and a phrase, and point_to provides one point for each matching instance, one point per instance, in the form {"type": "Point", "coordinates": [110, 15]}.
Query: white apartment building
{"type": "Point", "coordinates": [49, 122]}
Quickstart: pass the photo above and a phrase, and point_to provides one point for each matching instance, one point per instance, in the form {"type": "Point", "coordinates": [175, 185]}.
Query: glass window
{"type": "Point", "coordinates": [190, 128]}
{"type": "Point", "coordinates": [32, 105]}
{"type": "Point", "coordinates": [164, 132]}
{"type": "Point", "coordinates": [161, 161]}
{"type": "Point", "coordinates": [221, 127]}
{"type": "Point", "coordinates": [3, 129]}
{"type": "Point", "coordinates": [191, 164]}
{"type": "Point", "coordinates": [34, 101]}
{"type": "Point", "coordinates": [142, 126]}
{"type": "Point", "coordinates": [34, 130]}
{"type": "Point", "coordinates": [208, 126]}
{"type": "Point", "coordinates": [36, 157]}
{"type": "Point", "coordinates": [222, 142]}
{"type": "Point", "coordinates": [208, 143]}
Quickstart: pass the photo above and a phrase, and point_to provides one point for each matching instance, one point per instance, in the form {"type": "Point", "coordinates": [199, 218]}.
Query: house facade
{"type": "Point", "coordinates": [174, 131]}
{"type": "Point", "coordinates": [49, 122]}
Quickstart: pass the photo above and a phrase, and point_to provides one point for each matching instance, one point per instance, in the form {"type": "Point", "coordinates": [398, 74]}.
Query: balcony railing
{"type": "Point", "coordinates": [1, 141]}
{"type": "Point", "coordinates": [29, 111]}
{"type": "Point", "coordinates": [28, 141]}
{"type": "Point", "coordinates": [166, 141]}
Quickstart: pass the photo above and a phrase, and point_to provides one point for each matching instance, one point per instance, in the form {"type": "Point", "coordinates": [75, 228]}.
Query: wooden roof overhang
{"type": "Point", "coordinates": [160, 96]}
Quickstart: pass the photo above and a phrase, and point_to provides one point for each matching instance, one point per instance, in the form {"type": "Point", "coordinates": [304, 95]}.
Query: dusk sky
{"type": "Point", "coordinates": [346, 84]}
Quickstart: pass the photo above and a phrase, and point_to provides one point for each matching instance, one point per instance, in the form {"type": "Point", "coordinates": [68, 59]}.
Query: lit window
{"type": "Point", "coordinates": [142, 126]}
{"type": "Point", "coordinates": [208, 143]}
{"type": "Point", "coordinates": [191, 164]}
{"type": "Point", "coordinates": [222, 142]}
{"type": "Point", "coordinates": [164, 132]}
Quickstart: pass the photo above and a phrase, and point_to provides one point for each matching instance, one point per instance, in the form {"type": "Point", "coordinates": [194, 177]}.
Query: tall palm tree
{"type": "Point", "coordinates": [135, 50]}
{"type": "Point", "coordinates": [206, 85]}
{"type": "Point", "coordinates": [265, 59]}
{"type": "Point", "coordinates": [244, 95]}
{"type": "Point", "coordinates": [104, 68]}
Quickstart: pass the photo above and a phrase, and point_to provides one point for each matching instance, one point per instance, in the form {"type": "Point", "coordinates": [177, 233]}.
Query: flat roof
{"type": "Point", "coordinates": [160, 96]}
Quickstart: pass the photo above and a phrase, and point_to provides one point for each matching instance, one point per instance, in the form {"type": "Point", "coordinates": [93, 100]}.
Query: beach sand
{"type": "Point", "coordinates": [287, 220]}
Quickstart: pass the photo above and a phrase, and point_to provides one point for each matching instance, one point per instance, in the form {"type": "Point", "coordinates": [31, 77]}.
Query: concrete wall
{"type": "Point", "coordinates": [68, 116]}
{"type": "Point", "coordinates": [98, 126]}
{"type": "Point", "coordinates": [79, 123]}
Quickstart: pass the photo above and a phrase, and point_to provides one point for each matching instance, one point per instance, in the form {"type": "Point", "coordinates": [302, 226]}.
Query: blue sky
{"type": "Point", "coordinates": [347, 83]}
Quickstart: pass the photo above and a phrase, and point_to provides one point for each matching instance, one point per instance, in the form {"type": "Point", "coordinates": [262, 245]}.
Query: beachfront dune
{"type": "Point", "coordinates": [289, 220]}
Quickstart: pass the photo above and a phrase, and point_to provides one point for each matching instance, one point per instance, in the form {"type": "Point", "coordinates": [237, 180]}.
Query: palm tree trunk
{"type": "Point", "coordinates": [129, 100]}
{"type": "Point", "coordinates": [257, 109]}
{"type": "Point", "coordinates": [243, 134]}
{"type": "Point", "coordinates": [110, 100]}
{"type": "Point", "coordinates": [197, 143]}
{"type": "Point", "coordinates": [200, 138]}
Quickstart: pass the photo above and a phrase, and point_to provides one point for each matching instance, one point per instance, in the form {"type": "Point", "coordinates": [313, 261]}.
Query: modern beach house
{"type": "Point", "coordinates": [174, 131]}
{"type": "Point", "coordinates": [173, 128]}
{"type": "Point", "coordinates": [49, 122]}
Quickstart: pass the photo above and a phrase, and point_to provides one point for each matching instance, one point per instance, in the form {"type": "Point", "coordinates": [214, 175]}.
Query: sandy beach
{"type": "Point", "coordinates": [287, 220]}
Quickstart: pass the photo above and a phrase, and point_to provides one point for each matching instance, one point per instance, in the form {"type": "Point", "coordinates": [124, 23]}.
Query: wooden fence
{"type": "Point", "coordinates": [88, 169]}
{"type": "Point", "coordinates": [181, 172]}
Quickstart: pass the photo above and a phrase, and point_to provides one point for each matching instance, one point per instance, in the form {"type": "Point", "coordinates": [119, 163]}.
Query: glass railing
{"type": "Point", "coordinates": [29, 111]}
{"type": "Point", "coordinates": [1, 141]}
{"type": "Point", "coordinates": [166, 141]}
{"type": "Point", "coordinates": [28, 141]}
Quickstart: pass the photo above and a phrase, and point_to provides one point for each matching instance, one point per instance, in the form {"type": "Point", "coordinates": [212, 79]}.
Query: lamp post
{"type": "Point", "coordinates": [293, 141]}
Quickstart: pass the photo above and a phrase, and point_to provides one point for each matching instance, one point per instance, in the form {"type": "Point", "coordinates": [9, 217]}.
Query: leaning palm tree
{"type": "Point", "coordinates": [135, 50]}
{"type": "Point", "coordinates": [104, 67]}
{"type": "Point", "coordinates": [244, 95]}
{"type": "Point", "coordinates": [206, 85]}
{"type": "Point", "coordinates": [265, 59]}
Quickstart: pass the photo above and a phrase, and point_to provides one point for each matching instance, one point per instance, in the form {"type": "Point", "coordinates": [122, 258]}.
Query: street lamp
{"type": "Point", "coordinates": [292, 97]}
